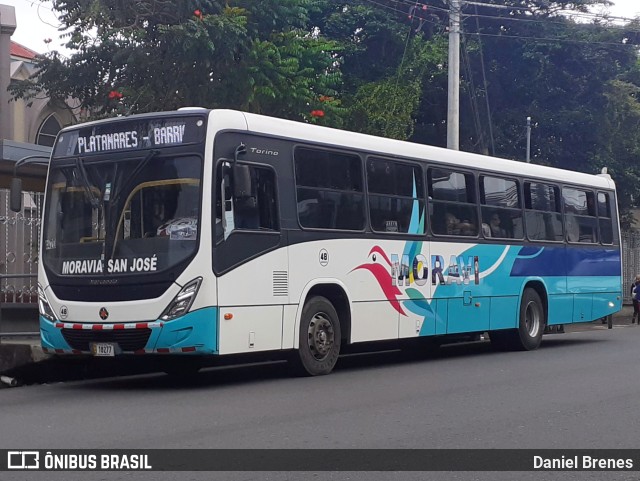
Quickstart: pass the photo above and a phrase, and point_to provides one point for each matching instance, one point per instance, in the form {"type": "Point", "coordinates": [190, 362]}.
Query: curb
{"type": "Point", "coordinates": [15, 355]}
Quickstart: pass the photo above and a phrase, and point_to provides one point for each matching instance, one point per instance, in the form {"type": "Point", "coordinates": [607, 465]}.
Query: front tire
{"type": "Point", "coordinates": [319, 338]}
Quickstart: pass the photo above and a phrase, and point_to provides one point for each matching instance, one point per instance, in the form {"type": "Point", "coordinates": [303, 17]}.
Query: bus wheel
{"type": "Point", "coordinates": [532, 321]}
{"type": "Point", "coordinates": [319, 338]}
{"type": "Point", "coordinates": [528, 335]}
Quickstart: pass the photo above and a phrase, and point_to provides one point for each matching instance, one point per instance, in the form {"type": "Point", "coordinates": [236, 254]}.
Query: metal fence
{"type": "Point", "coordinates": [19, 240]}
{"type": "Point", "coordinates": [630, 261]}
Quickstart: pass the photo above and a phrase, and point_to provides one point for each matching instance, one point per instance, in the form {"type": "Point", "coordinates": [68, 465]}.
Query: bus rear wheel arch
{"type": "Point", "coordinates": [531, 323]}
{"type": "Point", "coordinates": [320, 338]}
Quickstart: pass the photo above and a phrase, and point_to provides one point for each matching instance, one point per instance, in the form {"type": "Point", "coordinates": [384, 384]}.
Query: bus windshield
{"type": "Point", "coordinates": [131, 216]}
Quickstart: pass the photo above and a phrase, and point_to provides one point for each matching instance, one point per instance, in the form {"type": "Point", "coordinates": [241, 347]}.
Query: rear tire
{"type": "Point", "coordinates": [532, 321]}
{"type": "Point", "coordinates": [528, 334]}
{"type": "Point", "coordinates": [319, 338]}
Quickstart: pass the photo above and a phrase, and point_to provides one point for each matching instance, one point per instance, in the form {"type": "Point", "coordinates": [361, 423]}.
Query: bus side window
{"type": "Point", "coordinates": [329, 189]}
{"type": "Point", "coordinates": [396, 196]}
{"type": "Point", "coordinates": [605, 218]}
{"type": "Point", "coordinates": [580, 215]}
{"type": "Point", "coordinates": [501, 207]}
{"type": "Point", "coordinates": [543, 216]}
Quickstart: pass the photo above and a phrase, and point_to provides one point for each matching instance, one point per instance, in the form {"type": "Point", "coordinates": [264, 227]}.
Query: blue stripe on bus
{"type": "Point", "coordinates": [571, 261]}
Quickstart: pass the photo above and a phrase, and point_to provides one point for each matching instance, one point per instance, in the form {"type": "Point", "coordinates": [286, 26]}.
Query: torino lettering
{"type": "Point", "coordinates": [458, 271]}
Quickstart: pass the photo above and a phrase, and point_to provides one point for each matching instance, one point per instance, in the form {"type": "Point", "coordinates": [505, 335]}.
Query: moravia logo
{"type": "Point", "coordinates": [393, 271]}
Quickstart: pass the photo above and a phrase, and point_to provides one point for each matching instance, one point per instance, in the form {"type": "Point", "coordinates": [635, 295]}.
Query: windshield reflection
{"type": "Point", "coordinates": [131, 216]}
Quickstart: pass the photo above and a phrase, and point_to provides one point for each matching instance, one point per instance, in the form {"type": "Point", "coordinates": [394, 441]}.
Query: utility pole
{"type": "Point", "coordinates": [453, 108]}
{"type": "Point", "coordinates": [528, 139]}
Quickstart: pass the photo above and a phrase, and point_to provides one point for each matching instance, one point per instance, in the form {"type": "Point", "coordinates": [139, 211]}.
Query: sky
{"type": "Point", "coordinates": [37, 22]}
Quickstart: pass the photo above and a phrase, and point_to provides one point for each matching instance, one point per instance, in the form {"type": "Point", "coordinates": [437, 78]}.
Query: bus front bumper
{"type": "Point", "coordinates": [194, 333]}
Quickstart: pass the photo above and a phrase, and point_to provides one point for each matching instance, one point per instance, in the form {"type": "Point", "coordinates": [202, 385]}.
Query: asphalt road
{"type": "Point", "coordinates": [579, 390]}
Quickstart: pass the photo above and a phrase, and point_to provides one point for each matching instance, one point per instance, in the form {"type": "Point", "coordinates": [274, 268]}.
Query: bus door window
{"type": "Point", "coordinates": [255, 206]}
{"type": "Point", "coordinates": [245, 199]}
{"type": "Point", "coordinates": [248, 194]}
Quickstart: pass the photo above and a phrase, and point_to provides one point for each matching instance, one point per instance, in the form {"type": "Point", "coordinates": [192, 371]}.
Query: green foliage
{"type": "Point", "coordinates": [388, 107]}
{"type": "Point", "coordinates": [162, 55]}
{"type": "Point", "coordinates": [372, 66]}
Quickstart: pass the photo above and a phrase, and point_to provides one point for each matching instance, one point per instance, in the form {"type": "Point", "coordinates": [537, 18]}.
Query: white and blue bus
{"type": "Point", "coordinates": [207, 233]}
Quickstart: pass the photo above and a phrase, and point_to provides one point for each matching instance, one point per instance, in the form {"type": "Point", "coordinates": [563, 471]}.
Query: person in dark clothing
{"type": "Point", "coordinates": [635, 296]}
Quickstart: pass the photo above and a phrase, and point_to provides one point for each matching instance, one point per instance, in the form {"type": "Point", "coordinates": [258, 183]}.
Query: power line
{"type": "Point", "coordinates": [404, 53]}
{"type": "Point", "coordinates": [486, 88]}
{"type": "Point", "coordinates": [553, 39]}
{"type": "Point", "coordinates": [523, 37]}
{"type": "Point", "coordinates": [473, 97]}
{"type": "Point", "coordinates": [547, 21]}
{"type": "Point", "coordinates": [561, 12]}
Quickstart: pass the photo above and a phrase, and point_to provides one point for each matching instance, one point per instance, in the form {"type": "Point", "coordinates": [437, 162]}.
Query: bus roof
{"type": "Point", "coordinates": [233, 119]}
{"type": "Point", "coordinates": [396, 148]}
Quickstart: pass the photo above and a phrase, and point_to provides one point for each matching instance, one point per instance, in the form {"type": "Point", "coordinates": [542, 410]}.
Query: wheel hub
{"type": "Point", "coordinates": [532, 319]}
{"type": "Point", "coordinates": [321, 336]}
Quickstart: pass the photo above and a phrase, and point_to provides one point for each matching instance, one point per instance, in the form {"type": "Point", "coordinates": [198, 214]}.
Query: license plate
{"type": "Point", "coordinates": [103, 349]}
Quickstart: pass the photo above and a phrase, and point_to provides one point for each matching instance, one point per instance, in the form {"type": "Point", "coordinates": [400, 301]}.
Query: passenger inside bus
{"type": "Point", "coordinates": [455, 226]}
{"type": "Point", "coordinates": [493, 228]}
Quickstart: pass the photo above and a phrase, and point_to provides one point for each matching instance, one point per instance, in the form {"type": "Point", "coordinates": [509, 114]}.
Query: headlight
{"type": "Point", "coordinates": [44, 307]}
{"type": "Point", "coordinates": [181, 304]}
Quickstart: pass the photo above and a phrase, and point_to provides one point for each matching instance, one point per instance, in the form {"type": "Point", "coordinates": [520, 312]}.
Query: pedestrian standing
{"type": "Point", "coordinates": [635, 297]}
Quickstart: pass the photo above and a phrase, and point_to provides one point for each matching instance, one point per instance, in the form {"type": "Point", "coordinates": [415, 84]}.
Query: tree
{"type": "Point", "coordinates": [150, 55]}
{"type": "Point", "coordinates": [387, 60]}
{"type": "Point", "coordinates": [619, 142]}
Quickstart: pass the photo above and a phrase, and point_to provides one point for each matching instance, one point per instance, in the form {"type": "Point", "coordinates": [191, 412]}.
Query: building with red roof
{"type": "Point", "coordinates": [21, 52]}
{"type": "Point", "coordinates": [27, 128]}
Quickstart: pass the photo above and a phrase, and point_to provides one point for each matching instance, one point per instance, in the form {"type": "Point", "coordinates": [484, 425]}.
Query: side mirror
{"type": "Point", "coordinates": [15, 196]}
{"type": "Point", "coordinates": [241, 181]}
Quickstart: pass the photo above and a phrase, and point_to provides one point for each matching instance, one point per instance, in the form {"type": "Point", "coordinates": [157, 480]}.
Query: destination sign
{"type": "Point", "coordinates": [137, 134]}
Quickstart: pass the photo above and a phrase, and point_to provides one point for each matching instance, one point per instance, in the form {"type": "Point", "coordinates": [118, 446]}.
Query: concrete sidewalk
{"type": "Point", "coordinates": [24, 357]}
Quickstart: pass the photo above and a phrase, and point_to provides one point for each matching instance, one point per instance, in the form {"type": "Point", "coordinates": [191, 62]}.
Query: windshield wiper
{"type": "Point", "coordinates": [93, 200]}
{"type": "Point", "coordinates": [133, 175]}
{"type": "Point", "coordinates": [112, 215]}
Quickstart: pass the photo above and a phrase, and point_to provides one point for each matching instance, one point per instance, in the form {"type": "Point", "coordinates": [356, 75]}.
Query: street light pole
{"type": "Point", "coordinates": [528, 139]}
{"type": "Point", "coordinates": [453, 107]}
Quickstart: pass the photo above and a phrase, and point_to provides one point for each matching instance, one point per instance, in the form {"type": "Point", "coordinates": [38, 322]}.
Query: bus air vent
{"type": "Point", "coordinates": [280, 283]}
